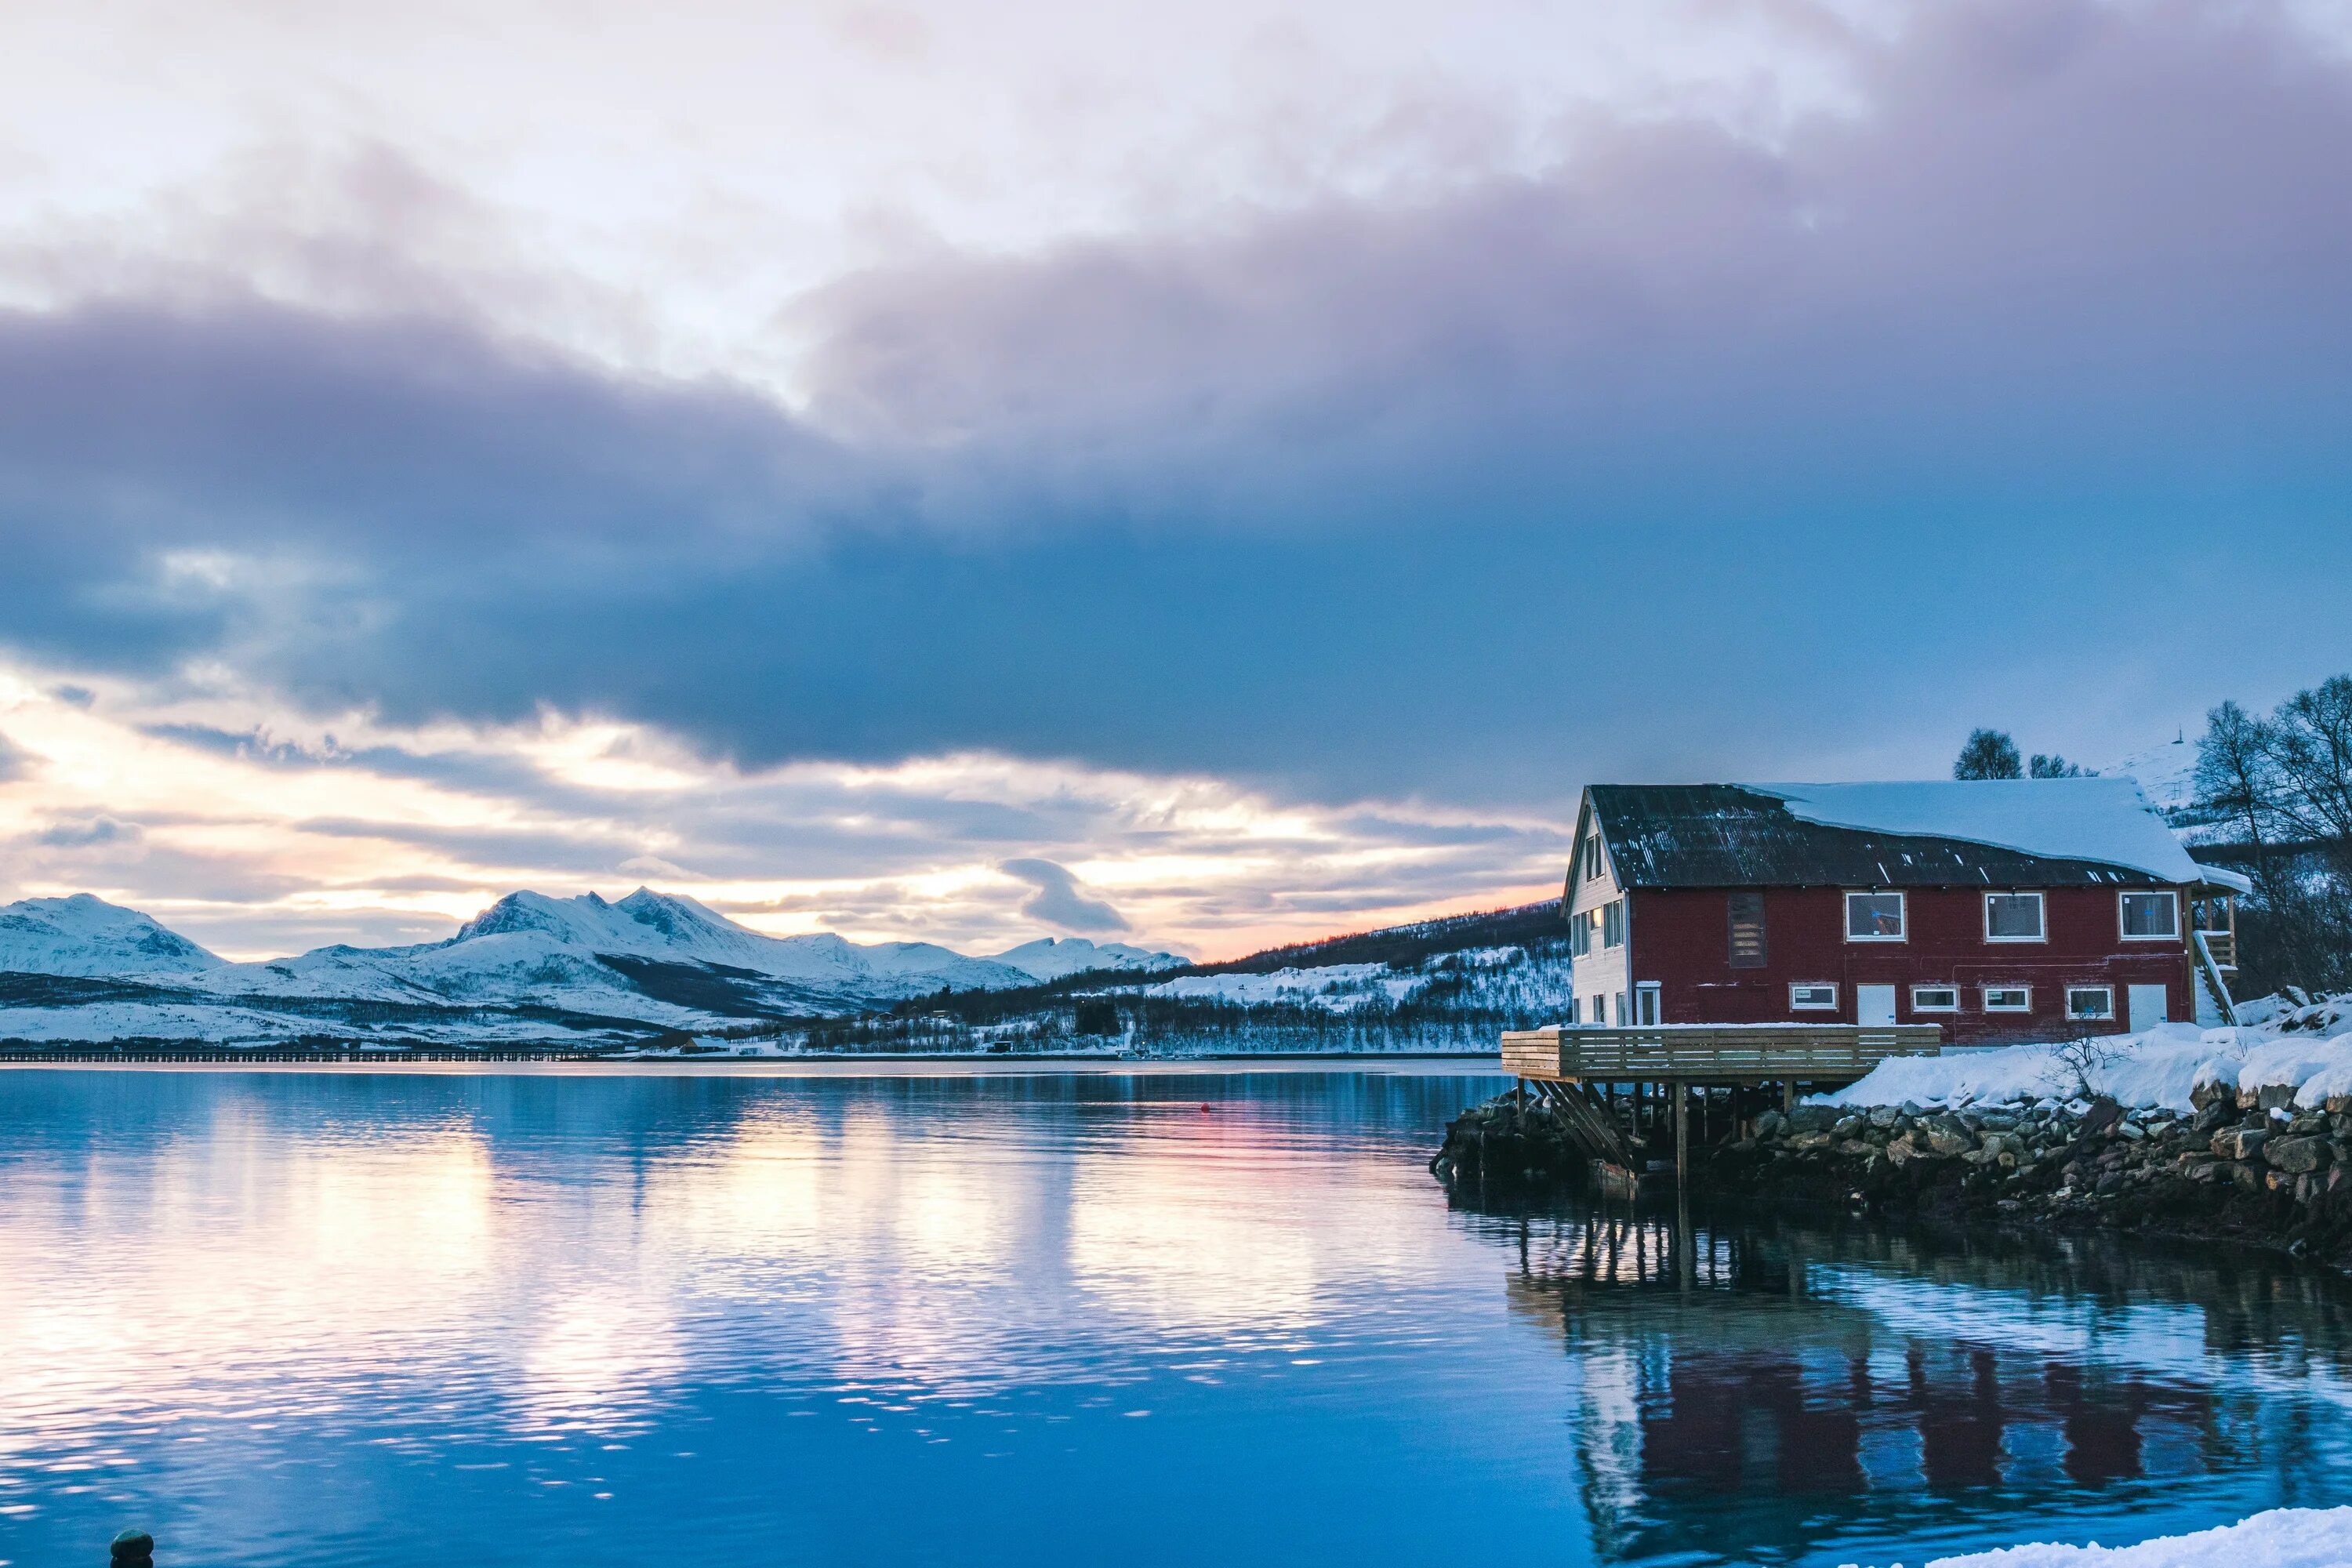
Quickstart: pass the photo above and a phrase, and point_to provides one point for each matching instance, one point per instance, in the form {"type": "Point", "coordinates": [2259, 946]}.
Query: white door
{"type": "Point", "coordinates": [2149, 1006]}
{"type": "Point", "coordinates": [1873, 1005]}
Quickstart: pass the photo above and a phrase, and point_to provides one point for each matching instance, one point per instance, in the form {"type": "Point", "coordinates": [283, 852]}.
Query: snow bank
{"type": "Point", "coordinates": [2282, 1538]}
{"type": "Point", "coordinates": [2308, 1047]}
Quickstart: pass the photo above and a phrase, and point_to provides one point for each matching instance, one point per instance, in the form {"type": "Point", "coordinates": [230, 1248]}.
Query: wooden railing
{"type": "Point", "coordinates": [1713, 1053]}
{"type": "Point", "coordinates": [2221, 947]}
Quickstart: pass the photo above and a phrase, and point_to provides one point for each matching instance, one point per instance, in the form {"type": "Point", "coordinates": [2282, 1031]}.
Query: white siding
{"type": "Point", "coordinates": [1602, 971]}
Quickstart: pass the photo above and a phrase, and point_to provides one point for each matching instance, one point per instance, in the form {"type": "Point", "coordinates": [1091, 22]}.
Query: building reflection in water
{"type": "Point", "coordinates": [1728, 1370]}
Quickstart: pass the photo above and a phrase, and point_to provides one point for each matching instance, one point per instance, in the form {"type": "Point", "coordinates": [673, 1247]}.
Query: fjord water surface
{"type": "Point", "coordinates": [304, 1319]}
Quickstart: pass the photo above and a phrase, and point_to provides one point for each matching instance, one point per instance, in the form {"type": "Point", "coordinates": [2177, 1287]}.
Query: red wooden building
{"type": "Point", "coordinates": [2006, 910]}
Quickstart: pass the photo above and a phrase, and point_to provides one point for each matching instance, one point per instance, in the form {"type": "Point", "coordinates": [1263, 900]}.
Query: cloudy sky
{"type": "Point", "coordinates": [1201, 474]}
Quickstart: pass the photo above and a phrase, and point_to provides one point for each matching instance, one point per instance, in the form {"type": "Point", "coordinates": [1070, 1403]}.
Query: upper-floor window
{"type": "Point", "coordinates": [1592, 857]}
{"type": "Point", "coordinates": [2014, 916]}
{"type": "Point", "coordinates": [2151, 917]}
{"type": "Point", "coordinates": [1579, 934]}
{"type": "Point", "coordinates": [1747, 913]}
{"type": "Point", "coordinates": [1873, 917]}
{"type": "Point", "coordinates": [1612, 923]}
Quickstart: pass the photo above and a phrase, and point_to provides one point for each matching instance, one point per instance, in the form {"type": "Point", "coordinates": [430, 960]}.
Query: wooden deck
{"type": "Point", "coordinates": [1712, 1054]}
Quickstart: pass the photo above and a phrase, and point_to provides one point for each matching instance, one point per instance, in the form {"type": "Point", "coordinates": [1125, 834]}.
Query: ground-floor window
{"type": "Point", "coordinates": [2090, 1004]}
{"type": "Point", "coordinates": [1812, 996]}
{"type": "Point", "coordinates": [2009, 999]}
{"type": "Point", "coordinates": [1935, 998]}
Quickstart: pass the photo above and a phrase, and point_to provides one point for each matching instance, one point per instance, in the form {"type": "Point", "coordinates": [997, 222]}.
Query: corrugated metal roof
{"type": "Point", "coordinates": [1731, 835]}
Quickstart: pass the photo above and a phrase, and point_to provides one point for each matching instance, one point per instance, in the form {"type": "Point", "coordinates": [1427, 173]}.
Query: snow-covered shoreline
{"type": "Point", "coordinates": [2280, 1538]}
{"type": "Point", "coordinates": [2301, 1053]}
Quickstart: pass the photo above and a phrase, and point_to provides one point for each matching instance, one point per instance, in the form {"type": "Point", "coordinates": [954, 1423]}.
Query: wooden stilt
{"type": "Point", "coordinates": [1682, 1129]}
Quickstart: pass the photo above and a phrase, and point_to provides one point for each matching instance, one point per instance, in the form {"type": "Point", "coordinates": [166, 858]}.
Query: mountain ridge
{"type": "Point", "coordinates": [663, 960]}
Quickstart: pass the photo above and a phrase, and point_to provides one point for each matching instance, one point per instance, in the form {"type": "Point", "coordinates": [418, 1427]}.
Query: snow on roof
{"type": "Point", "coordinates": [2102, 819]}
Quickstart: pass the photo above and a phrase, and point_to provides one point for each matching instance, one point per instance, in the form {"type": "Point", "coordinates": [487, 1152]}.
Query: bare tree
{"type": "Point", "coordinates": [2078, 1058]}
{"type": "Point", "coordinates": [2051, 766]}
{"type": "Point", "coordinates": [1988, 755]}
{"type": "Point", "coordinates": [2283, 786]}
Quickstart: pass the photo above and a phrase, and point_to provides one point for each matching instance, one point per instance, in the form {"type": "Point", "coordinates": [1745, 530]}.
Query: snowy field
{"type": "Point", "coordinates": [2306, 1047]}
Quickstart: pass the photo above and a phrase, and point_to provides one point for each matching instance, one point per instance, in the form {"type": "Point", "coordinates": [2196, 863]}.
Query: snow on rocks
{"type": "Point", "coordinates": [2282, 1538]}
{"type": "Point", "coordinates": [2304, 1050]}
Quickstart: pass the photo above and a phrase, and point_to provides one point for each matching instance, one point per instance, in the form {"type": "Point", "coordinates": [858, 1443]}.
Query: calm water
{"type": "Point", "coordinates": [405, 1320]}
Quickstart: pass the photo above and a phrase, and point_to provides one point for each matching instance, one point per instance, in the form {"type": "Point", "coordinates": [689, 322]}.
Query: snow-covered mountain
{"type": "Point", "coordinates": [653, 959]}
{"type": "Point", "coordinates": [1051, 958]}
{"type": "Point", "coordinates": [84, 935]}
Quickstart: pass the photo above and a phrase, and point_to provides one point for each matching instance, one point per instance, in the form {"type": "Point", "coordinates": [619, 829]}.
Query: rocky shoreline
{"type": "Point", "coordinates": [2245, 1166]}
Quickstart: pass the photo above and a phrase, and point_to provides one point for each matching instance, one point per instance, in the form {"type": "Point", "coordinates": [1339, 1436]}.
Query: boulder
{"type": "Point", "coordinates": [1771, 1124]}
{"type": "Point", "coordinates": [2296, 1156]}
{"type": "Point", "coordinates": [1945, 1135]}
{"type": "Point", "coordinates": [2239, 1143]}
{"type": "Point", "coordinates": [1815, 1118]}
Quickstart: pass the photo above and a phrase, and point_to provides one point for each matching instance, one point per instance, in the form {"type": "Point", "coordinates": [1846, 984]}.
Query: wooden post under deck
{"type": "Point", "coordinates": [1681, 1092]}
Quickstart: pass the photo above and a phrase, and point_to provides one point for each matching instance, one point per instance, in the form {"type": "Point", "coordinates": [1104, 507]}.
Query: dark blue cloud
{"type": "Point", "coordinates": [88, 833]}
{"type": "Point", "coordinates": [1691, 457]}
{"type": "Point", "coordinates": [1058, 901]}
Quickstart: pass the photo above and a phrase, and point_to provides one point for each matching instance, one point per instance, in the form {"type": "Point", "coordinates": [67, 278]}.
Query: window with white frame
{"type": "Point", "coordinates": [2151, 917]}
{"type": "Point", "coordinates": [1592, 857]}
{"type": "Point", "coordinates": [1575, 1010]}
{"type": "Point", "coordinates": [1812, 996]}
{"type": "Point", "coordinates": [1612, 923]}
{"type": "Point", "coordinates": [1621, 1019]}
{"type": "Point", "coordinates": [1935, 998]}
{"type": "Point", "coordinates": [2090, 1004]}
{"type": "Point", "coordinates": [1645, 1004]}
{"type": "Point", "coordinates": [2014, 916]}
{"type": "Point", "coordinates": [1873, 917]}
{"type": "Point", "coordinates": [1599, 1009]}
{"type": "Point", "coordinates": [2009, 999]}
{"type": "Point", "coordinates": [1579, 936]}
